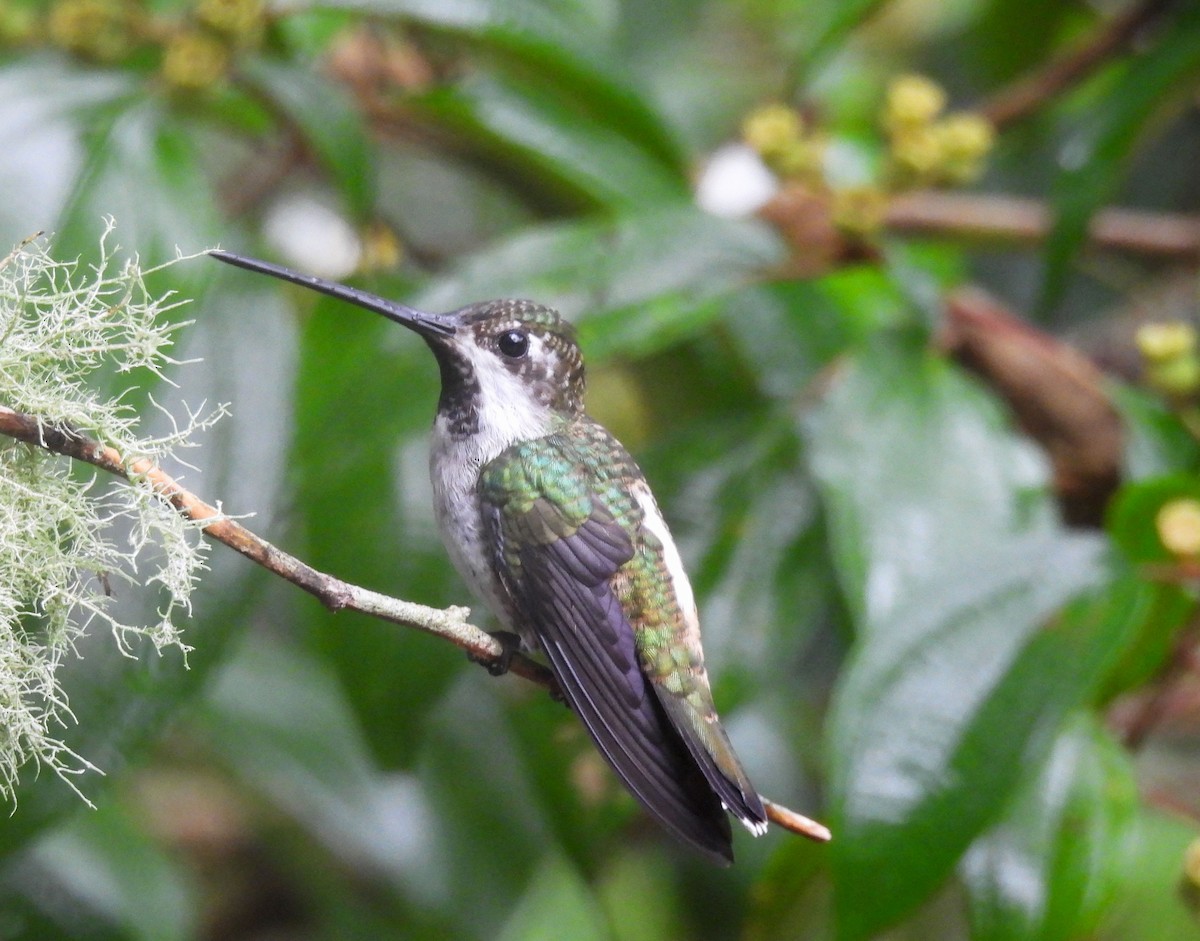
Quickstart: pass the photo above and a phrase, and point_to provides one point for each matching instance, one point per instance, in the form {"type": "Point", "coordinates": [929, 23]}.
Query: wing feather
{"type": "Point", "coordinates": [558, 567]}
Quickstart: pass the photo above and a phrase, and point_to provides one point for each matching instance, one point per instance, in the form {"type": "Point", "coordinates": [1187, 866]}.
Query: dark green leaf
{"type": "Point", "coordinates": [366, 396]}
{"type": "Point", "coordinates": [564, 45]}
{"type": "Point", "coordinates": [553, 144]}
{"type": "Point", "coordinates": [1097, 156]}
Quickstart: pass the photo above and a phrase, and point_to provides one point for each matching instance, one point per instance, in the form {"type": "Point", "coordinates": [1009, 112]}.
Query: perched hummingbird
{"type": "Point", "coordinates": [552, 524]}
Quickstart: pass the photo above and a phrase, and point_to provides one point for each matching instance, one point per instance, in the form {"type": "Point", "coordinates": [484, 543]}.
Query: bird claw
{"type": "Point", "coordinates": [498, 666]}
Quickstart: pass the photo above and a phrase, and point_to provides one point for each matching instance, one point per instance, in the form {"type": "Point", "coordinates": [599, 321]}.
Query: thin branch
{"type": "Point", "coordinates": [337, 595]}
{"type": "Point", "coordinates": [1029, 94]}
{"type": "Point", "coordinates": [1138, 719]}
{"type": "Point", "coordinates": [1028, 221]}
{"type": "Point", "coordinates": [334, 593]}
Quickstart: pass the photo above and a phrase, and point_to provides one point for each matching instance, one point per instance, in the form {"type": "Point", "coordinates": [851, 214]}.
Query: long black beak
{"type": "Point", "coordinates": [421, 322]}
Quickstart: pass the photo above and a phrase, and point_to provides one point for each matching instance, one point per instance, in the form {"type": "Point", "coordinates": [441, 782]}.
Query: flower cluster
{"type": "Point", "coordinates": [925, 147]}
{"type": "Point", "coordinates": [193, 50]}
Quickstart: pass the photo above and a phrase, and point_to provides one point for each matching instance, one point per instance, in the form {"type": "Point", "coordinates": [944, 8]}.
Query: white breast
{"type": "Point", "coordinates": [506, 415]}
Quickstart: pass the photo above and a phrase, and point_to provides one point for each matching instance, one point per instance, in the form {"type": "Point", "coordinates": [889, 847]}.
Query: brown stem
{"type": "Point", "coordinates": [1158, 703]}
{"type": "Point", "coordinates": [1029, 94]}
{"type": "Point", "coordinates": [1028, 221]}
{"type": "Point", "coordinates": [336, 594]}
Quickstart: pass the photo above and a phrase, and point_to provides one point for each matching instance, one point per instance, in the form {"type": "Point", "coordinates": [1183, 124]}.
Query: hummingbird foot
{"type": "Point", "coordinates": [498, 666]}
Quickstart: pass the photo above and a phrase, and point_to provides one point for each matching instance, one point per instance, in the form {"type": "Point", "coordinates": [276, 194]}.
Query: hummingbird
{"type": "Point", "coordinates": [551, 523]}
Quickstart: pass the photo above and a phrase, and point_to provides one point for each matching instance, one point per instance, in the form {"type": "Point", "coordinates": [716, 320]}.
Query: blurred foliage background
{"type": "Point", "coordinates": [918, 397]}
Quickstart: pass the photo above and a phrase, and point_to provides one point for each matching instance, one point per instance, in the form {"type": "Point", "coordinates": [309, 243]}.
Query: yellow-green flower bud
{"type": "Point", "coordinates": [859, 210]}
{"type": "Point", "coordinates": [1178, 525]}
{"type": "Point", "coordinates": [194, 60]}
{"type": "Point", "coordinates": [965, 140]}
{"type": "Point", "coordinates": [1160, 342]}
{"type": "Point", "coordinates": [917, 154]}
{"type": "Point", "coordinates": [96, 29]}
{"type": "Point", "coordinates": [772, 129]}
{"type": "Point", "coordinates": [913, 101]}
{"type": "Point", "coordinates": [18, 24]}
{"type": "Point", "coordinates": [382, 249]}
{"type": "Point", "coordinates": [966, 136]}
{"type": "Point", "coordinates": [240, 20]}
{"type": "Point", "coordinates": [1191, 863]}
{"type": "Point", "coordinates": [803, 161]}
{"type": "Point", "coordinates": [1178, 378]}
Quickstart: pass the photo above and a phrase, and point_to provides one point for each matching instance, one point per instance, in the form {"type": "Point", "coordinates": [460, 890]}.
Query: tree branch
{"type": "Point", "coordinates": [1027, 95]}
{"type": "Point", "coordinates": [450, 624]}
{"type": "Point", "coordinates": [1027, 221]}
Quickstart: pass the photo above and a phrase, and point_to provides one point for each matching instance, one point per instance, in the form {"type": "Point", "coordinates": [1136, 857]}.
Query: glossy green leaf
{"type": "Point", "coordinates": [828, 23]}
{"type": "Point", "coordinates": [1156, 441]}
{"type": "Point", "coordinates": [494, 831]}
{"type": "Point", "coordinates": [294, 740]}
{"type": "Point", "coordinates": [952, 567]}
{"type": "Point", "coordinates": [1097, 157]}
{"type": "Point", "coordinates": [331, 124]}
{"type": "Point", "coordinates": [1049, 869]}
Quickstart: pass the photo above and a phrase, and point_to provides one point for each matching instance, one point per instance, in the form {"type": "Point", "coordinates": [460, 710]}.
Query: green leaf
{"type": "Point", "coordinates": [952, 567]}
{"type": "Point", "coordinates": [1151, 903]}
{"type": "Point", "coordinates": [565, 45]}
{"type": "Point", "coordinates": [295, 740]}
{"type": "Point", "coordinates": [104, 868]}
{"type": "Point", "coordinates": [143, 170]}
{"type": "Point", "coordinates": [635, 284]}
{"type": "Point", "coordinates": [1098, 155]}
{"type": "Point", "coordinates": [827, 25]}
{"type": "Point", "coordinates": [557, 904]}
{"type": "Point", "coordinates": [330, 121]}
{"type": "Point", "coordinates": [1156, 441]}
{"type": "Point", "coordinates": [545, 137]}
{"type": "Point", "coordinates": [366, 395]}
{"type": "Point", "coordinates": [1048, 870]}
{"type": "Point", "coordinates": [1132, 517]}
{"type": "Point", "coordinates": [46, 108]}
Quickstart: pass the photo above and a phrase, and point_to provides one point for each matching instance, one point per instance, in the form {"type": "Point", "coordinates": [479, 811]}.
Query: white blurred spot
{"type": "Point", "coordinates": [735, 182]}
{"type": "Point", "coordinates": [312, 237]}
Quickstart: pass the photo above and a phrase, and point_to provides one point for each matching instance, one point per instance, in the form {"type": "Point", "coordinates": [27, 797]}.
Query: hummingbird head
{"type": "Point", "coordinates": [508, 367]}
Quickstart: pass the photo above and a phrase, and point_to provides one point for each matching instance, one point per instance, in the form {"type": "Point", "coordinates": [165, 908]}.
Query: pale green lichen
{"type": "Point", "coordinates": [66, 533]}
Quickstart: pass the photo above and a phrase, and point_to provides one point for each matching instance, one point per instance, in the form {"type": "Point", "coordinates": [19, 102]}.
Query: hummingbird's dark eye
{"type": "Point", "coordinates": [513, 343]}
